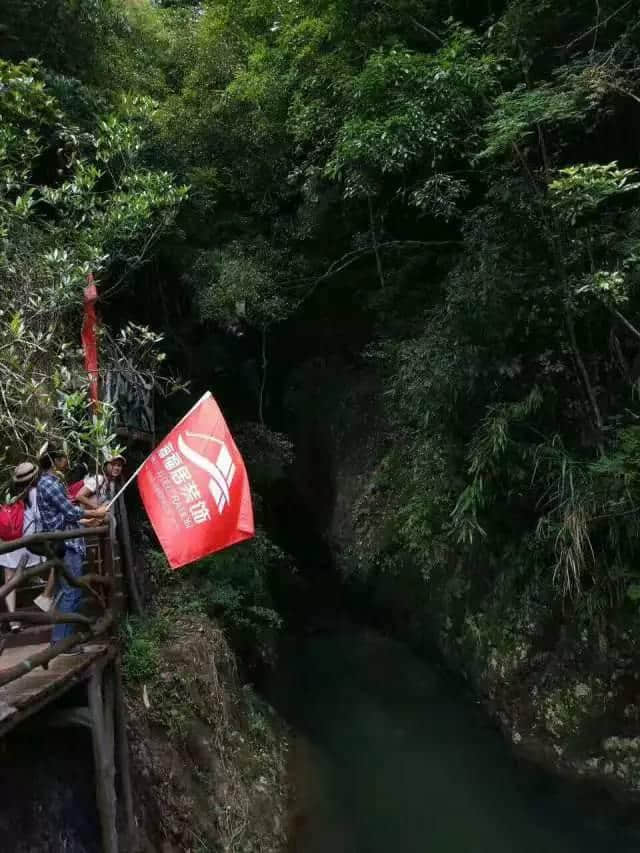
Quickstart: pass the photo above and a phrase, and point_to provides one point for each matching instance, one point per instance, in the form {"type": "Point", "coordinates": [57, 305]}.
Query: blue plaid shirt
{"type": "Point", "coordinates": [56, 510]}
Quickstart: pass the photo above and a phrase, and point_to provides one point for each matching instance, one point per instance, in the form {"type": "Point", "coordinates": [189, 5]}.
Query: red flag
{"type": "Point", "coordinates": [90, 339]}
{"type": "Point", "coordinates": [195, 488]}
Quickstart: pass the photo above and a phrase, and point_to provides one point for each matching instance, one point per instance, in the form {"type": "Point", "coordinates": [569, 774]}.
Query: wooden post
{"type": "Point", "coordinates": [103, 755]}
{"type": "Point", "coordinates": [127, 557]}
{"type": "Point", "coordinates": [114, 600]}
{"type": "Point", "coordinates": [123, 757]}
{"type": "Point", "coordinates": [107, 556]}
{"type": "Point", "coordinates": [108, 693]}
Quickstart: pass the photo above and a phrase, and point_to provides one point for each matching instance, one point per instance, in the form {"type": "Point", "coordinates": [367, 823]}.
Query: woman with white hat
{"type": "Point", "coordinates": [23, 488]}
{"type": "Point", "coordinates": [99, 488]}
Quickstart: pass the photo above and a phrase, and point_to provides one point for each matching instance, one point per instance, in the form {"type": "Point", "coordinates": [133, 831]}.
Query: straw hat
{"type": "Point", "coordinates": [24, 473]}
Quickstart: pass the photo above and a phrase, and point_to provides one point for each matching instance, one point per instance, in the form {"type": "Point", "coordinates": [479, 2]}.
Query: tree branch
{"type": "Point", "coordinates": [599, 24]}
{"type": "Point", "coordinates": [625, 322]}
{"type": "Point", "coordinates": [355, 255]}
{"type": "Point", "coordinates": [263, 381]}
{"type": "Point", "coordinates": [374, 243]}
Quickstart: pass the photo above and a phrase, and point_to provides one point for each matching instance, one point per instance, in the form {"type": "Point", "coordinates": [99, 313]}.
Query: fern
{"type": "Point", "coordinates": [487, 448]}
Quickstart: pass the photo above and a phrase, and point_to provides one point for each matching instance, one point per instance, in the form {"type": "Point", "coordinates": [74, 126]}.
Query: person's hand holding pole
{"type": "Point", "coordinates": [100, 513]}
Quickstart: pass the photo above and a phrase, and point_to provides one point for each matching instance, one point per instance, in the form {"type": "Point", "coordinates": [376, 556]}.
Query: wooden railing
{"type": "Point", "coordinates": [102, 597]}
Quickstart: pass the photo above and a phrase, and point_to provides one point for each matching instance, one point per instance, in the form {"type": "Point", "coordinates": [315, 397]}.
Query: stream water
{"type": "Point", "coordinates": [389, 755]}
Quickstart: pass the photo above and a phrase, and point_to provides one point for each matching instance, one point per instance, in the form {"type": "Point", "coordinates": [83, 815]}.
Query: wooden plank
{"type": "Point", "coordinates": [35, 690]}
{"type": "Point", "coordinates": [44, 657]}
{"type": "Point", "coordinates": [6, 711]}
{"type": "Point", "coordinates": [14, 655]}
{"type": "Point", "coordinates": [22, 691]}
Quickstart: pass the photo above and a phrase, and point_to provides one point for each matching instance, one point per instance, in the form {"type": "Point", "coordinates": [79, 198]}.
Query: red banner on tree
{"type": "Point", "coordinates": [195, 487]}
{"type": "Point", "coordinates": [90, 339]}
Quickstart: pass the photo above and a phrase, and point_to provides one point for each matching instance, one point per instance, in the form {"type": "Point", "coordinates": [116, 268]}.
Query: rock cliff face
{"type": "Point", "coordinates": [564, 689]}
{"type": "Point", "coordinates": [208, 758]}
{"type": "Point", "coordinates": [340, 433]}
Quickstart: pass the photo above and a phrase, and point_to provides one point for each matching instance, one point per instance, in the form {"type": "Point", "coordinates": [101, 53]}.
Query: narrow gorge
{"type": "Point", "coordinates": [396, 240]}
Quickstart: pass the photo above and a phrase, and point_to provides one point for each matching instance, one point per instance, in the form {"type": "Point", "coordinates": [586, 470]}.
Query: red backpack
{"type": "Point", "coordinates": [11, 521]}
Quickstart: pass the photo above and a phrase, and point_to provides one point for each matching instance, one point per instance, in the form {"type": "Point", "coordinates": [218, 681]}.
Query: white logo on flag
{"type": "Point", "coordinates": [221, 471]}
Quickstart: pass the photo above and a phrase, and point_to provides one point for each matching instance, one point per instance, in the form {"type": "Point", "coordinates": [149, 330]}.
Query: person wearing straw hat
{"type": "Point", "coordinates": [23, 488]}
{"type": "Point", "coordinates": [58, 513]}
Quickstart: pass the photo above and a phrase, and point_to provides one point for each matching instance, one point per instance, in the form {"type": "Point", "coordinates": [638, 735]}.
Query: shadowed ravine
{"type": "Point", "coordinates": [390, 756]}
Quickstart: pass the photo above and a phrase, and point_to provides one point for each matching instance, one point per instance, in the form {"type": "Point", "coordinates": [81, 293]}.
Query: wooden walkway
{"type": "Point", "coordinates": [34, 673]}
{"type": "Point", "coordinates": [32, 691]}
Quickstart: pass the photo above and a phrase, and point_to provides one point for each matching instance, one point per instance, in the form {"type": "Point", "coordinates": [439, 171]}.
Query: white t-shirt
{"type": "Point", "coordinates": [94, 482]}
{"type": "Point", "coordinates": [30, 525]}
{"type": "Point", "coordinates": [99, 486]}
{"type": "Point", "coordinates": [103, 490]}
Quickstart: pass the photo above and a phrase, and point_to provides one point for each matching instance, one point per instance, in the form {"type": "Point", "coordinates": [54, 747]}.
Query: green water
{"type": "Point", "coordinates": [390, 756]}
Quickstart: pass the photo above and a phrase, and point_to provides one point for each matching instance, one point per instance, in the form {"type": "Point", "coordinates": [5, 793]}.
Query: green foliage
{"type": "Point", "coordinates": [114, 45]}
{"type": "Point", "coordinates": [143, 640]}
{"type": "Point", "coordinates": [581, 189]}
{"type": "Point", "coordinates": [486, 453]}
{"type": "Point", "coordinates": [239, 284]}
{"type": "Point", "coordinates": [169, 693]}
{"type": "Point", "coordinates": [74, 201]}
{"type": "Point", "coordinates": [456, 181]}
{"type": "Point", "coordinates": [502, 487]}
{"type": "Point", "coordinates": [408, 108]}
{"type": "Point", "coordinates": [232, 586]}
{"type": "Point", "coordinates": [521, 114]}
